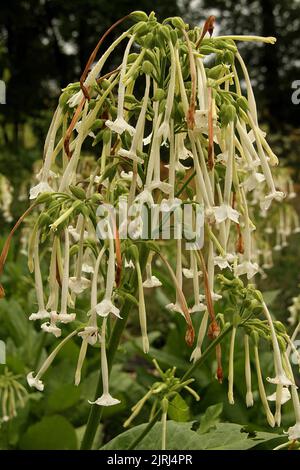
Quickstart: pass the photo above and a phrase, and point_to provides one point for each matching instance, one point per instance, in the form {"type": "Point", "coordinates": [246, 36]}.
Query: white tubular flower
{"type": "Point", "coordinates": [42, 312]}
{"type": "Point", "coordinates": [105, 307]}
{"type": "Point", "coordinates": [49, 327]}
{"type": "Point", "coordinates": [231, 367]}
{"type": "Point", "coordinates": [262, 392]}
{"type": "Point", "coordinates": [252, 181]}
{"type": "Point", "coordinates": [266, 203]}
{"type": "Point", "coordinates": [35, 382]}
{"type": "Point", "coordinates": [182, 152]}
{"type": "Point", "coordinates": [120, 125]}
{"type": "Point", "coordinates": [196, 354]}
{"type": "Point", "coordinates": [151, 281]}
{"type": "Point", "coordinates": [75, 234]}
{"type": "Point", "coordinates": [223, 261]}
{"type": "Point", "coordinates": [248, 268]}
{"type": "Point", "coordinates": [249, 394]}
{"type": "Point", "coordinates": [40, 188]}
{"type": "Point", "coordinates": [142, 309]}
{"type": "Point", "coordinates": [106, 399]}
{"type": "Point", "coordinates": [285, 396]}
{"type": "Point", "coordinates": [78, 285]}
{"type": "Point", "coordinates": [90, 334]}
{"type": "Point", "coordinates": [294, 432]}
{"type": "Point", "coordinates": [64, 316]}
{"type": "Point", "coordinates": [280, 379]}
{"type": "Point", "coordinates": [128, 177]}
{"type": "Point", "coordinates": [224, 212]}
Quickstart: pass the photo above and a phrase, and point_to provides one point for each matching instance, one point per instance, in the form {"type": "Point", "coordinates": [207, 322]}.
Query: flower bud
{"type": "Point", "coordinates": [159, 94]}
{"type": "Point", "coordinates": [242, 103]}
{"type": "Point", "coordinates": [139, 16]}
{"type": "Point", "coordinates": [178, 22]}
{"type": "Point", "coordinates": [78, 192]}
{"type": "Point", "coordinates": [147, 67]}
{"type": "Point", "coordinates": [140, 29]}
{"type": "Point", "coordinates": [44, 219]}
{"type": "Point", "coordinates": [43, 197]}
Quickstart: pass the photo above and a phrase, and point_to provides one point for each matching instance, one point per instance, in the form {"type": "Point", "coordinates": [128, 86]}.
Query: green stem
{"type": "Point", "coordinates": [96, 410]}
{"type": "Point", "coordinates": [188, 373]}
{"type": "Point", "coordinates": [185, 184]}
{"type": "Point", "coordinates": [145, 431]}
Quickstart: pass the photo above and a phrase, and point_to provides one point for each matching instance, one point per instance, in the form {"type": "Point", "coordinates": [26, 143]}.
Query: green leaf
{"type": "Point", "coordinates": [210, 418]}
{"type": "Point", "coordinates": [227, 436]}
{"type": "Point", "coordinates": [178, 409]}
{"type": "Point", "coordinates": [63, 398]}
{"type": "Point", "coordinates": [51, 433]}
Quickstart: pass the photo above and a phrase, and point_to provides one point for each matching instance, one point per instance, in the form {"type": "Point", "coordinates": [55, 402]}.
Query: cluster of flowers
{"type": "Point", "coordinates": [12, 395]}
{"type": "Point", "coordinates": [194, 117]}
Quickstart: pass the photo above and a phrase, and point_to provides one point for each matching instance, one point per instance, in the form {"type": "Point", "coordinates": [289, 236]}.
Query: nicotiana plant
{"type": "Point", "coordinates": [172, 126]}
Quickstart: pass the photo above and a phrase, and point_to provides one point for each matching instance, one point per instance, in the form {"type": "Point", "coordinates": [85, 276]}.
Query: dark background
{"type": "Point", "coordinates": [44, 45]}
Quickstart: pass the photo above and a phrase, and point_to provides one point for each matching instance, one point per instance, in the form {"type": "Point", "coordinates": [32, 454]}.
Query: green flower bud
{"type": "Point", "coordinates": [227, 114]}
{"type": "Point", "coordinates": [280, 327]}
{"type": "Point", "coordinates": [147, 67]}
{"type": "Point", "coordinates": [228, 57]}
{"type": "Point", "coordinates": [96, 198]}
{"type": "Point", "coordinates": [242, 103]}
{"type": "Point", "coordinates": [236, 320]}
{"type": "Point", "coordinates": [173, 36]}
{"type": "Point", "coordinates": [140, 29]}
{"type": "Point", "coordinates": [97, 124]}
{"type": "Point", "coordinates": [132, 57]}
{"type": "Point", "coordinates": [178, 22]}
{"type": "Point", "coordinates": [165, 31]}
{"type": "Point", "coordinates": [78, 192]}
{"type": "Point", "coordinates": [43, 197]}
{"type": "Point", "coordinates": [106, 136]}
{"type": "Point", "coordinates": [149, 40]}
{"type": "Point", "coordinates": [139, 16]}
{"type": "Point", "coordinates": [159, 94]}
{"type": "Point", "coordinates": [215, 72]}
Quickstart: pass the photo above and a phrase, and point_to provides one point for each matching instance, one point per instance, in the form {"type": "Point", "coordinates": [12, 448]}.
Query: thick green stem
{"type": "Point", "coordinates": [96, 410]}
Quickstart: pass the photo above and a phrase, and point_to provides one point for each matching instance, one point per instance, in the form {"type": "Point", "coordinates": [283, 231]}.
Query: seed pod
{"type": "Point", "coordinates": [106, 136]}
{"type": "Point", "coordinates": [242, 103]}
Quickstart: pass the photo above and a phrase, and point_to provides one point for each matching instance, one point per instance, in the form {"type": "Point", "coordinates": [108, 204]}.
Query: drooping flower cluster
{"type": "Point", "coordinates": [12, 395]}
{"type": "Point", "coordinates": [191, 138]}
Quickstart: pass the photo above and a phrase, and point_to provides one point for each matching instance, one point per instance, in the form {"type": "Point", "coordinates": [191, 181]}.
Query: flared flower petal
{"type": "Point", "coordinates": [105, 400]}
{"type": "Point", "coordinates": [120, 125]}
{"type": "Point", "coordinates": [34, 382]}
{"type": "Point", "coordinates": [105, 307]}
{"type": "Point", "coordinates": [42, 187]}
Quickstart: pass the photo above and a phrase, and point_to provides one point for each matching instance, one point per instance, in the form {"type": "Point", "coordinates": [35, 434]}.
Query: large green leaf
{"type": "Point", "coordinates": [178, 409]}
{"type": "Point", "coordinates": [63, 398]}
{"type": "Point", "coordinates": [51, 433]}
{"type": "Point", "coordinates": [180, 436]}
{"type": "Point", "coordinates": [210, 418]}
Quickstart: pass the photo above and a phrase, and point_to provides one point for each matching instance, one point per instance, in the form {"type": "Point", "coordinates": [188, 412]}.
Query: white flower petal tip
{"type": "Point", "coordinates": [189, 273]}
{"type": "Point", "coordinates": [198, 308]}
{"type": "Point", "coordinates": [223, 262]}
{"type": "Point", "coordinates": [196, 354]}
{"type": "Point", "coordinates": [34, 382]}
{"type": "Point", "coordinates": [215, 297]}
{"type": "Point", "coordinates": [249, 400]}
{"type": "Point", "coordinates": [225, 212]}
{"type": "Point", "coordinates": [152, 282]}
{"type": "Point", "coordinates": [294, 432]}
{"type": "Point", "coordinates": [277, 195]}
{"type": "Point", "coordinates": [248, 268]}
{"type": "Point", "coordinates": [105, 400]}
{"type": "Point", "coordinates": [87, 268]}
{"type": "Point", "coordinates": [120, 125]}
{"type": "Point", "coordinates": [90, 334]}
{"type": "Point", "coordinates": [280, 379]}
{"type": "Point", "coordinates": [75, 99]}
{"type": "Point", "coordinates": [145, 197]}
{"type": "Point", "coordinates": [40, 315]}
{"type": "Point", "coordinates": [285, 396]}
{"type": "Point", "coordinates": [105, 307]}
{"type": "Point", "coordinates": [147, 140]}
{"type": "Point", "coordinates": [174, 308]}
{"type": "Point", "coordinates": [78, 285]}
{"type": "Point", "coordinates": [251, 183]}
{"type": "Point", "coordinates": [128, 177]}
{"type": "Point", "coordinates": [51, 328]}
{"type": "Point", "coordinates": [66, 317]}
{"type": "Point", "coordinates": [42, 187]}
